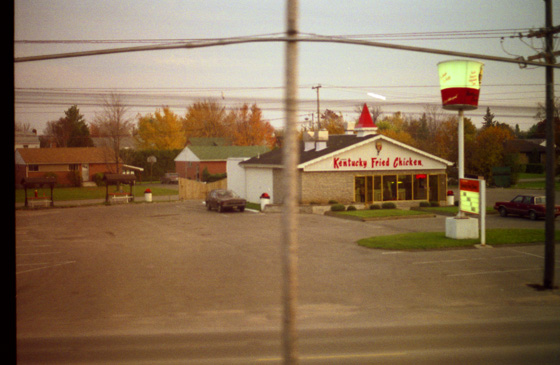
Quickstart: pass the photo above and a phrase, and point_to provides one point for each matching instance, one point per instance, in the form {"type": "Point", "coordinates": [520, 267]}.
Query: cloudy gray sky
{"type": "Point", "coordinates": [254, 72]}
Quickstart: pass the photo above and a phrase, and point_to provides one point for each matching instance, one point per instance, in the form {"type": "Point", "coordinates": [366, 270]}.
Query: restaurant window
{"type": "Point", "coordinates": [389, 187]}
{"type": "Point", "coordinates": [437, 187]}
{"type": "Point", "coordinates": [420, 189]}
{"type": "Point", "coordinates": [404, 185]}
{"type": "Point", "coordinates": [360, 189]}
{"type": "Point", "coordinates": [369, 188]}
{"type": "Point", "coordinates": [377, 189]}
{"type": "Point", "coordinates": [399, 187]}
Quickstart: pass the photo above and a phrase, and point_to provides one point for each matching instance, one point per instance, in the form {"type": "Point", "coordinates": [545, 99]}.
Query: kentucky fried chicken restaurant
{"type": "Point", "coordinates": [361, 166]}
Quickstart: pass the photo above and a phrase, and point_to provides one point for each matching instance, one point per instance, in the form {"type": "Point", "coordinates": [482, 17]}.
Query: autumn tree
{"type": "Point", "coordinates": [70, 130]}
{"type": "Point", "coordinates": [488, 150]}
{"type": "Point", "coordinates": [332, 122]}
{"type": "Point", "coordinates": [248, 127]}
{"type": "Point", "coordinates": [446, 138]}
{"type": "Point", "coordinates": [205, 119]}
{"type": "Point", "coordinates": [161, 131]}
{"type": "Point", "coordinates": [394, 127]}
{"type": "Point", "coordinates": [243, 126]}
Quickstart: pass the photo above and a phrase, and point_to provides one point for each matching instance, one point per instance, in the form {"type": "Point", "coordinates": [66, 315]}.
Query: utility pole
{"type": "Point", "coordinates": [318, 108]}
{"type": "Point", "coordinates": [548, 55]}
{"type": "Point", "coordinates": [550, 152]}
{"type": "Point", "coordinates": [290, 156]}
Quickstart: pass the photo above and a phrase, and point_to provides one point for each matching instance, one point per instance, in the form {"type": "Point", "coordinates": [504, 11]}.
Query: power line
{"type": "Point", "coordinates": [468, 34]}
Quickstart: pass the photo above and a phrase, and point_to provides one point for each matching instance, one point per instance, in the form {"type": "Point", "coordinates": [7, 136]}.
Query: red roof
{"type": "Point", "coordinates": [365, 119]}
{"type": "Point", "coordinates": [74, 155]}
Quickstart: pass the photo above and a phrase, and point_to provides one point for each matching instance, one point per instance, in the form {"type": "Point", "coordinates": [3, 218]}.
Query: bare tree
{"type": "Point", "coordinates": [436, 116]}
{"type": "Point", "coordinates": [114, 124]}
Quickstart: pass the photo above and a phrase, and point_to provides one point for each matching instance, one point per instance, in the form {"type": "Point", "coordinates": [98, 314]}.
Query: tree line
{"type": "Point", "coordinates": [434, 131]}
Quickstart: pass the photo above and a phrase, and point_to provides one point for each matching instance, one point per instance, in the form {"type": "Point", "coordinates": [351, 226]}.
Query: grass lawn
{"type": "Point", "coordinates": [86, 193]}
{"type": "Point", "coordinates": [451, 211]}
{"type": "Point", "coordinates": [378, 213]}
{"type": "Point", "coordinates": [437, 240]}
{"type": "Point", "coordinates": [540, 185]}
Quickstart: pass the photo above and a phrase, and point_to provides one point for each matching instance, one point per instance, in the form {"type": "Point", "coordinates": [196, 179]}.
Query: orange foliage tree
{"type": "Point", "coordinates": [488, 150]}
{"type": "Point", "coordinates": [249, 129]}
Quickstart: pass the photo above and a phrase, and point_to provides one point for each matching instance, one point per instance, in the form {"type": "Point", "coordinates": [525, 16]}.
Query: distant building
{"type": "Point", "coordinates": [26, 140]}
{"type": "Point", "coordinates": [194, 159]}
{"type": "Point", "coordinates": [530, 150]}
{"type": "Point", "coordinates": [87, 161]}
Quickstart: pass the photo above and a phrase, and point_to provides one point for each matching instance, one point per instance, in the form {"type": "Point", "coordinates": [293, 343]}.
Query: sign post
{"type": "Point", "coordinates": [473, 200]}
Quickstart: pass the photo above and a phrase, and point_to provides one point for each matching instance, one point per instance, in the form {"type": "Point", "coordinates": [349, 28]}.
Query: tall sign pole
{"type": "Point", "coordinates": [460, 87]}
{"type": "Point", "coordinates": [550, 152]}
{"type": "Point", "coordinates": [461, 153]}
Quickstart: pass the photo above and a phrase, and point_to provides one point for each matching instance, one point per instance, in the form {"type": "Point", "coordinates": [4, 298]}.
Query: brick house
{"type": "Point", "coordinates": [62, 162]}
{"type": "Point", "coordinates": [529, 150]}
{"type": "Point", "coordinates": [194, 159]}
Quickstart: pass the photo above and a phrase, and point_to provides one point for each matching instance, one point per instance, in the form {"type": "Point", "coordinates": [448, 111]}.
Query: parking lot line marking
{"type": "Point", "coordinates": [341, 356]}
{"type": "Point", "coordinates": [37, 253]}
{"type": "Point", "coordinates": [530, 254]}
{"type": "Point", "coordinates": [46, 267]}
{"type": "Point", "coordinates": [494, 272]}
{"type": "Point", "coordinates": [461, 260]}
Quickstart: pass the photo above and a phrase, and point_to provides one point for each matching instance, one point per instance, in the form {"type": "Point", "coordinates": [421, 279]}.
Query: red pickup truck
{"type": "Point", "coordinates": [532, 206]}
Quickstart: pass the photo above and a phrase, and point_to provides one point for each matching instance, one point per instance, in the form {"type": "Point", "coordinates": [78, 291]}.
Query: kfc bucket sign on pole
{"type": "Point", "coordinates": [460, 87]}
{"type": "Point", "coordinates": [460, 84]}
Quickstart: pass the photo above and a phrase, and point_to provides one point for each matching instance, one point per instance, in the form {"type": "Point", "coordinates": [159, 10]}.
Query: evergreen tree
{"type": "Point", "coordinates": [488, 119]}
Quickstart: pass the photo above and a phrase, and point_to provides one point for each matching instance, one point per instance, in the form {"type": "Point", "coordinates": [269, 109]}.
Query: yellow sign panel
{"type": "Point", "coordinates": [470, 202]}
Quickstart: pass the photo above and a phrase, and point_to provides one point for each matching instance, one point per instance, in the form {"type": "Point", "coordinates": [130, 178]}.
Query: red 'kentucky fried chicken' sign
{"type": "Point", "coordinates": [375, 163]}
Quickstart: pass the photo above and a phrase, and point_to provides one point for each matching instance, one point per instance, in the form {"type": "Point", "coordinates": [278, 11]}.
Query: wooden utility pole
{"type": "Point", "coordinates": [550, 152]}
{"type": "Point", "coordinates": [549, 57]}
{"type": "Point", "coordinates": [290, 156]}
{"type": "Point", "coordinates": [318, 108]}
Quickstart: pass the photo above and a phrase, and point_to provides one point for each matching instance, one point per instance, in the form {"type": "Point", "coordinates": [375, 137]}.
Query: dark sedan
{"type": "Point", "coordinates": [525, 205]}
{"type": "Point", "coordinates": [223, 200]}
{"type": "Point", "coordinates": [170, 178]}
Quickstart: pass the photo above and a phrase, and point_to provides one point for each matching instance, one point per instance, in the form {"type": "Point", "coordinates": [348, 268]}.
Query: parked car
{"type": "Point", "coordinates": [221, 200]}
{"type": "Point", "coordinates": [170, 178]}
{"type": "Point", "coordinates": [532, 206]}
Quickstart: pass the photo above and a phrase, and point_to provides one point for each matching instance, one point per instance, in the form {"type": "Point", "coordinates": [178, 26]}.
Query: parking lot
{"type": "Point", "coordinates": [175, 265]}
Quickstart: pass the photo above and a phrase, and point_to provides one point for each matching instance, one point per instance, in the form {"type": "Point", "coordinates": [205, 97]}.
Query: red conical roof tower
{"type": "Point", "coordinates": [365, 125]}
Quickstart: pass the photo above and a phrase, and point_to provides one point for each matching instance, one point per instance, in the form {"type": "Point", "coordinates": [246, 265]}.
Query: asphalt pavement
{"type": "Point", "coordinates": [113, 283]}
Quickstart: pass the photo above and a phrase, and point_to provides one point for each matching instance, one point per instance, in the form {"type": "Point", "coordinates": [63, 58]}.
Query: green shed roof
{"type": "Point", "coordinates": [221, 153]}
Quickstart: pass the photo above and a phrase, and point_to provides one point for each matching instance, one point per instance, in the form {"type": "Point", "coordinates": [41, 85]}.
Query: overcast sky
{"type": "Point", "coordinates": [254, 72]}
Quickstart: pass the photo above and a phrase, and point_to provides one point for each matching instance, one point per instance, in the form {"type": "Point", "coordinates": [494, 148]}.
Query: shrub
{"type": "Point", "coordinates": [98, 178]}
{"type": "Point", "coordinates": [434, 204]}
{"type": "Point", "coordinates": [534, 168]}
{"type": "Point", "coordinates": [337, 208]}
{"type": "Point", "coordinates": [75, 178]}
{"type": "Point", "coordinates": [424, 204]}
{"type": "Point", "coordinates": [388, 205]}
{"type": "Point", "coordinates": [375, 206]}
{"type": "Point", "coordinates": [331, 202]}
{"type": "Point", "coordinates": [351, 207]}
